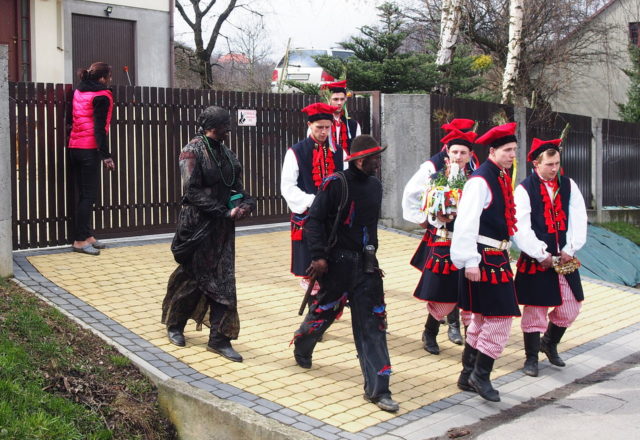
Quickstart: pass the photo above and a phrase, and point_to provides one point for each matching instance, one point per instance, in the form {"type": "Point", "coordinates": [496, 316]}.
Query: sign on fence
{"type": "Point", "coordinates": [247, 118]}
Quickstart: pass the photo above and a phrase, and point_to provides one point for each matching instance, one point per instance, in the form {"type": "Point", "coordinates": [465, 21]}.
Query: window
{"type": "Point", "coordinates": [634, 29]}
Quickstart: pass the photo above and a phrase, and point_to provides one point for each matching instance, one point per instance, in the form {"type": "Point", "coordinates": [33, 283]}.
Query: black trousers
{"type": "Point", "coordinates": [85, 166]}
{"type": "Point", "coordinates": [344, 281]}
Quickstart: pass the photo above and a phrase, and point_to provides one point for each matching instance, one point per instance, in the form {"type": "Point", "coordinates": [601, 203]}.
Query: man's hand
{"type": "Point", "coordinates": [109, 164]}
{"type": "Point", "coordinates": [472, 273]}
{"type": "Point", "coordinates": [445, 218]}
{"type": "Point", "coordinates": [425, 225]}
{"type": "Point", "coordinates": [317, 268]}
{"type": "Point", "coordinates": [547, 262]}
{"type": "Point", "coordinates": [564, 257]}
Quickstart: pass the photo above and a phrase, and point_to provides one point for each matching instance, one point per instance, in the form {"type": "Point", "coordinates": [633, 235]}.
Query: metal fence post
{"type": "Point", "coordinates": [6, 259]}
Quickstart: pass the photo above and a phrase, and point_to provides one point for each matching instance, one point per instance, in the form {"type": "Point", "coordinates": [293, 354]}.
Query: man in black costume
{"type": "Point", "coordinates": [342, 235]}
{"type": "Point", "coordinates": [204, 244]}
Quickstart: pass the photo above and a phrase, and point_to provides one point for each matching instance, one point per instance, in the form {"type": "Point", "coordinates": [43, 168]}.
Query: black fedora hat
{"type": "Point", "coordinates": [363, 146]}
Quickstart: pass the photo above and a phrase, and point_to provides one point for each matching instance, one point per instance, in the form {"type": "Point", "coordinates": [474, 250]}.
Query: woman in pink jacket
{"type": "Point", "coordinates": [92, 108]}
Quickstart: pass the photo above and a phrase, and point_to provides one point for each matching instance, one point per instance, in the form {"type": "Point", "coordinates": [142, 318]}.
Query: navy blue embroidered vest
{"type": "Point", "coordinates": [304, 155]}
{"type": "Point", "coordinates": [554, 241]}
{"type": "Point", "coordinates": [492, 221]}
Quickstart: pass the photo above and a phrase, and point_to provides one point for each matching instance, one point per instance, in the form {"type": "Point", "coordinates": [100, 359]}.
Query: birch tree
{"type": "Point", "coordinates": [449, 29]}
{"type": "Point", "coordinates": [510, 77]}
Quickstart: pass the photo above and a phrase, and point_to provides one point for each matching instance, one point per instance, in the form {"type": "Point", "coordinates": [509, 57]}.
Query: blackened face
{"type": "Point", "coordinates": [221, 133]}
{"type": "Point", "coordinates": [370, 164]}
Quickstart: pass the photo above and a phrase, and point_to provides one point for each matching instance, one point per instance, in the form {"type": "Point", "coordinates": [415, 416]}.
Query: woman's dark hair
{"type": "Point", "coordinates": [96, 71]}
{"type": "Point", "coordinates": [213, 117]}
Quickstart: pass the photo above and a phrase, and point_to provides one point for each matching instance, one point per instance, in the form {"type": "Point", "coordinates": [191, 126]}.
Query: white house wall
{"type": "Point", "coordinates": [156, 5]}
{"type": "Point", "coordinates": [47, 47]}
{"type": "Point", "coordinates": [596, 90]}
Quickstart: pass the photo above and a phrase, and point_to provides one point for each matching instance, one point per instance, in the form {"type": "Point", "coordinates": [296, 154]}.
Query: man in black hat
{"type": "Point", "coordinates": [342, 234]}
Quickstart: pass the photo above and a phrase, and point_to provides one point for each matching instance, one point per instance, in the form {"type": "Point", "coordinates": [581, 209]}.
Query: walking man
{"type": "Point", "coordinates": [438, 284]}
{"type": "Point", "coordinates": [342, 234]}
{"type": "Point", "coordinates": [480, 244]}
{"type": "Point", "coordinates": [552, 226]}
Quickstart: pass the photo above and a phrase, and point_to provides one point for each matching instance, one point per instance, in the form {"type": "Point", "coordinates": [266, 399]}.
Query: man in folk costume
{"type": "Point", "coordinates": [411, 211]}
{"type": "Point", "coordinates": [305, 166]}
{"type": "Point", "coordinates": [552, 224]}
{"type": "Point", "coordinates": [342, 234]}
{"type": "Point", "coordinates": [343, 128]}
{"type": "Point", "coordinates": [439, 282]}
{"type": "Point", "coordinates": [480, 245]}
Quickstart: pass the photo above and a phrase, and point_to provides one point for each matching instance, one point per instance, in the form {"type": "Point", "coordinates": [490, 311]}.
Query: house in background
{"type": "Point", "coordinates": [49, 40]}
{"type": "Point", "coordinates": [595, 90]}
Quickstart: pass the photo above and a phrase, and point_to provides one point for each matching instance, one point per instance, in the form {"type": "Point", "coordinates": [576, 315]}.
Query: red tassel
{"type": "Point", "coordinates": [521, 266]}
{"type": "Point", "coordinates": [453, 267]}
{"type": "Point", "coordinates": [484, 276]}
{"type": "Point", "coordinates": [505, 277]}
{"type": "Point", "coordinates": [532, 267]}
{"type": "Point", "coordinates": [446, 270]}
{"type": "Point", "coordinates": [429, 263]}
{"type": "Point", "coordinates": [436, 267]}
{"type": "Point", "coordinates": [494, 279]}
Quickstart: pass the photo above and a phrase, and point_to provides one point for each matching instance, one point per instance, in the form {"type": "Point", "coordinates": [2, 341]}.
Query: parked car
{"type": "Point", "coordinates": [302, 67]}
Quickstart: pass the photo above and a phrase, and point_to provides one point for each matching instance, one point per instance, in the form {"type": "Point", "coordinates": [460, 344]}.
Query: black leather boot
{"type": "Point", "coordinates": [219, 343]}
{"type": "Point", "coordinates": [531, 349]}
{"type": "Point", "coordinates": [468, 364]}
{"type": "Point", "coordinates": [479, 379]}
{"type": "Point", "coordinates": [175, 333]}
{"type": "Point", "coordinates": [429, 335]}
{"type": "Point", "coordinates": [453, 319]}
{"type": "Point", "coordinates": [549, 343]}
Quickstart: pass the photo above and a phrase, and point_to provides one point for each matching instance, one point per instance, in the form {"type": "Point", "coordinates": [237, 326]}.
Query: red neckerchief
{"type": "Point", "coordinates": [343, 143]}
{"type": "Point", "coordinates": [504, 180]}
{"type": "Point", "coordinates": [322, 162]}
{"type": "Point", "coordinates": [554, 216]}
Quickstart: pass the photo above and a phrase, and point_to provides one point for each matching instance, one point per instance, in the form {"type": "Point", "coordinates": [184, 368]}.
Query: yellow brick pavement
{"type": "Point", "coordinates": [128, 285]}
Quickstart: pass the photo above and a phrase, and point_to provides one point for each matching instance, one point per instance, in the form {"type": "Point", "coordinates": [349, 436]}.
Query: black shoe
{"type": "Point", "coordinates": [429, 335]}
{"type": "Point", "coordinates": [176, 337]}
{"type": "Point", "coordinates": [479, 379]}
{"type": "Point", "coordinates": [385, 403]}
{"type": "Point", "coordinates": [225, 350]}
{"type": "Point", "coordinates": [468, 364]}
{"type": "Point", "coordinates": [531, 349]}
{"type": "Point", "coordinates": [454, 333]}
{"type": "Point", "coordinates": [549, 344]}
{"type": "Point", "coordinates": [302, 361]}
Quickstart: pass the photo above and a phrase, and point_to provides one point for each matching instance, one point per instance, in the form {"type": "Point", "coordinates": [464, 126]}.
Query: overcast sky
{"type": "Point", "coordinates": [309, 23]}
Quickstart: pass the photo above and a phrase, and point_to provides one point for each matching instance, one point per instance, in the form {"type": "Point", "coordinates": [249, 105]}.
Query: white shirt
{"type": "Point", "coordinates": [525, 237]}
{"type": "Point", "coordinates": [476, 196]}
{"type": "Point", "coordinates": [297, 200]}
{"type": "Point", "coordinates": [413, 192]}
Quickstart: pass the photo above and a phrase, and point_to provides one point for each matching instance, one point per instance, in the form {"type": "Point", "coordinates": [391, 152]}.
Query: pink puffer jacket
{"type": "Point", "coordinates": [82, 134]}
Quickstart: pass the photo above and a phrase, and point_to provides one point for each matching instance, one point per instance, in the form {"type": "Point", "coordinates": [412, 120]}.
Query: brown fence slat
{"type": "Point", "coordinates": [50, 147]}
{"type": "Point", "coordinates": [13, 105]}
{"type": "Point", "coordinates": [139, 157]}
{"type": "Point", "coordinates": [131, 157]}
{"type": "Point", "coordinates": [41, 167]}
{"type": "Point", "coordinates": [32, 165]}
{"type": "Point", "coordinates": [22, 196]}
{"type": "Point", "coordinates": [161, 129]}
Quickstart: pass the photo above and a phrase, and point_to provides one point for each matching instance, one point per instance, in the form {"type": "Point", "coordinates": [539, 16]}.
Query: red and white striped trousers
{"type": "Point", "coordinates": [534, 318]}
{"type": "Point", "coordinates": [440, 310]}
{"type": "Point", "coordinates": [489, 334]}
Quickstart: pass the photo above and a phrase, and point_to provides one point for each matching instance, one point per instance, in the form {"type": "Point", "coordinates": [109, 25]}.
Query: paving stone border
{"type": "Point", "coordinates": [163, 365]}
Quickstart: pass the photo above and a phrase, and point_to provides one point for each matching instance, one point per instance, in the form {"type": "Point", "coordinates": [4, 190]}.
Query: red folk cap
{"type": "Point", "coordinates": [320, 110]}
{"type": "Point", "coordinates": [538, 146]}
{"type": "Point", "coordinates": [457, 137]}
{"type": "Point", "coordinates": [458, 124]}
{"type": "Point", "coordinates": [336, 87]}
{"type": "Point", "coordinates": [499, 136]}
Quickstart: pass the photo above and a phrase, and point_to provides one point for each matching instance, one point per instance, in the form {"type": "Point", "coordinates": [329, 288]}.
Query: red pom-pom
{"type": "Point", "coordinates": [494, 279]}
{"type": "Point", "coordinates": [505, 277]}
{"type": "Point", "coordinates": [429, 263]}
{"type": "Point", "coordinates": [532, 267]}
{"type": "Point", "coordinates": [446, 270]}
{"type": "Point", "coordinates": [484, 276]}
{"type": "Point", "coordinates": [436, 267]}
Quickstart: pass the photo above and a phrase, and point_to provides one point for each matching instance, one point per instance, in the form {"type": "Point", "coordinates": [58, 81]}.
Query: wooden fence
{"type": "Point", "coordinates": [149, 127]}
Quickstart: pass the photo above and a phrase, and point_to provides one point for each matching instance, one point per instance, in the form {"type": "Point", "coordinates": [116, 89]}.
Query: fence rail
{"type": "Point", "coordinates": [149, 127]}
